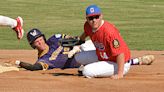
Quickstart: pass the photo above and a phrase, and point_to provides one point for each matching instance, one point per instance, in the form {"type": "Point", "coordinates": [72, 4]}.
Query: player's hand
{"type": "Point", "coordinates": [116, 76]}
{"type": "Point", "coordinates": [73, 51]}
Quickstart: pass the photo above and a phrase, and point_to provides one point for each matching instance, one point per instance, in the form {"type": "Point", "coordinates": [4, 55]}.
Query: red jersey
{"type": "Point", "coordinates": [108, 42]}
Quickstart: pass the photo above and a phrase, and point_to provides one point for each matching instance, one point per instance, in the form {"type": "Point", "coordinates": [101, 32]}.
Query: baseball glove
{"type": "Point", "coordinates": [69, 42]}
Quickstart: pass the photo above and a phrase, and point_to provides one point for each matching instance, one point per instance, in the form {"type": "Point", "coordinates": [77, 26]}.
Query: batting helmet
{"type": "Point", "coordinates": [33, 34]}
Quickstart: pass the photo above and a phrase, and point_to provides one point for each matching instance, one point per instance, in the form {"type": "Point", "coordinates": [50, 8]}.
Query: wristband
{"type": "Point", "coordinates": [17, 62]}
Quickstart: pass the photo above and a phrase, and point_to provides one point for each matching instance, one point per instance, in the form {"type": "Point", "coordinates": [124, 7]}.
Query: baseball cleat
{"type": "Point", "coordinates": [18, 29]}
{"type": "Point", "coordinates": [146, 59]}
{"type": "Point", "coordinates": [80, 70]}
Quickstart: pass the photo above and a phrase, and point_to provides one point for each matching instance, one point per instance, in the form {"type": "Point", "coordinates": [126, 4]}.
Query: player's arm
{"type": "Point", "coordinates": [32, 67]}
{"type": "Point", "coordinates": [77, 48]}
{"type": "Point", "coordinates": [120, 63]}
{"type": "Point", "coordinates": [83, 37]}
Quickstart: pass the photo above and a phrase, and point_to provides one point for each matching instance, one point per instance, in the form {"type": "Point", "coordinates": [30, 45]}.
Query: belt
{"type": "Point", "coordinates": [129, 61]}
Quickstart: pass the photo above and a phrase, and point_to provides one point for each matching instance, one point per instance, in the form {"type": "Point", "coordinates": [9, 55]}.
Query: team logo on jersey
{"type": "Point", "coordinates": [99, 46]}
{"type": "Point", "coordinates": [116, 43]}
{"type": "Point", "coordinates": [33, 33]}
{"type": "Point", "coordinates": [92, 10]}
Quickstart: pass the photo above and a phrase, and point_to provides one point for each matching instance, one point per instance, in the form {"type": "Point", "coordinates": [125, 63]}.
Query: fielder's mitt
{"type": "Point", "coordinates": [68, 42]}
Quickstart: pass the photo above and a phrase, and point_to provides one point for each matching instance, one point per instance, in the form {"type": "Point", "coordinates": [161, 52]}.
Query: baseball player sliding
{"type": "Point", "coordinates": [51, 53]}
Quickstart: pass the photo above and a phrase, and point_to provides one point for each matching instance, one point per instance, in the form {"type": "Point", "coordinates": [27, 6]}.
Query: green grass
{"type": "Point", "coordinates": [139, 21]}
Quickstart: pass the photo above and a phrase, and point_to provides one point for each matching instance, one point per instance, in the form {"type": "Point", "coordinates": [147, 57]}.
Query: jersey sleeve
{"type": "Point", "coordinates": [87, 29]}
{"type": "Point", "coordinates": [115, 41]}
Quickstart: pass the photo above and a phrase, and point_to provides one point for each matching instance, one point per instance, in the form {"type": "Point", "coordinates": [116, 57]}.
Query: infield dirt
{"type": "Point", "coordinates": [145, 78]}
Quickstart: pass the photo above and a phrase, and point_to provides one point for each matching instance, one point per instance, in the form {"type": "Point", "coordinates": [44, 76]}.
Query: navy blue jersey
{"type": "Point", "coordinates": [55, 56]}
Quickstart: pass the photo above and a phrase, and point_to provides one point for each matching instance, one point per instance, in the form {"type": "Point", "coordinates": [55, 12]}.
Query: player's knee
{"type": "Point", "coordinates": [88, 72]}
{"type": "Point", "coordinates": [78, 58]}
{"type": "Point", "coordinates": [87, 46]}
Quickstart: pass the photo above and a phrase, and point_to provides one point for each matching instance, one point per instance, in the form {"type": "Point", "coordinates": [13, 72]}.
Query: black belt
{"type": "Point", "coordinates": [130, 60]}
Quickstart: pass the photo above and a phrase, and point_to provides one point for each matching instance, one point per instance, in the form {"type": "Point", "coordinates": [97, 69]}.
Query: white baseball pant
{"type": "Point", "coordinates": [7, 21]}
{"type": "Point", "coordinates": [93, 67]}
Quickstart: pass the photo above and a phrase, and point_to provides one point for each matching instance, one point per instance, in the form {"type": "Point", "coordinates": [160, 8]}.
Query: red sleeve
{"type": "Point", "coordinates": [87, 29]}
{"type": "Point", "coordinates": [115, 41]}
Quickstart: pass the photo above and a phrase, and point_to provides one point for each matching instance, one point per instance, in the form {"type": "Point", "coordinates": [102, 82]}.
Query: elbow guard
{"type": "Point", "coordinates": [31, 67]}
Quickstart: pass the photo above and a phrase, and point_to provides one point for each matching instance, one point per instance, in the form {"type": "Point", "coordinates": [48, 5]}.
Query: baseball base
{"type": "Point", "coordinates": [6, 68]}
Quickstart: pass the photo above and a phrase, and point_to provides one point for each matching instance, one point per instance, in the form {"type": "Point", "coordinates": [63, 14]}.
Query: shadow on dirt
{"type": "Point", "coordinates": [63, 74]}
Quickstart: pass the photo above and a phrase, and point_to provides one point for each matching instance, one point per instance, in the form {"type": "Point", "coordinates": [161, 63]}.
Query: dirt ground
{"type": "Point", "coordinates": [145, 78]}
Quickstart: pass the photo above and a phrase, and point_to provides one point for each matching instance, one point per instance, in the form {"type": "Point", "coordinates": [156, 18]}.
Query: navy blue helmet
{"type": "Point", "coordinates": [33, 34]}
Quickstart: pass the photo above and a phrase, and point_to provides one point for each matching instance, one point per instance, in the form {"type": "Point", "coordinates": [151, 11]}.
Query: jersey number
{"type": "Point", "coordinates": [104, 55]}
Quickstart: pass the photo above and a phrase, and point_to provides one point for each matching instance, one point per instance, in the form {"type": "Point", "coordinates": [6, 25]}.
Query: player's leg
{"type": "Point", "coordinates": [6, 21]}
{"type": "Point", "coordinates": [87, 54]}
{"type": "Point", "coordinates": [88, 45]}
{"type": "Point", "coordinates": [86, 57]}
{"type": "Point", "coordinates": [143, 60]}
{"type": "Point", "coordinates": [15, 24]}
{"type": "Point", "coordinates": [103, 69]}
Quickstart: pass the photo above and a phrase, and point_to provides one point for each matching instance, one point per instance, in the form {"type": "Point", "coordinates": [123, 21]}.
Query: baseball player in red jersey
{"type": "Point", "coordinates": [111, 49]}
